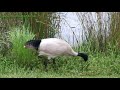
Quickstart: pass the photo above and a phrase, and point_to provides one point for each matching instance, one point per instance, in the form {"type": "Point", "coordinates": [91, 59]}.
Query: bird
{"type": "Point", "coordinates": [53, 47]}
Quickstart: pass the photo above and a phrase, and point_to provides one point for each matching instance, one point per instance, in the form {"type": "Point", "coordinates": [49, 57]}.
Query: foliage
{"type": "Point", "coordinates": [102, 48]}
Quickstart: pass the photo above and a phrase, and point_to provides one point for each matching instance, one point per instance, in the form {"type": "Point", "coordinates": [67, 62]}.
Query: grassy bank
{"type": "Point", "coordinates": [103, 51]}
{"type": "Point", "coordinates": [67, 67]}
{"type": "Point", "coordinates": [21, 62]}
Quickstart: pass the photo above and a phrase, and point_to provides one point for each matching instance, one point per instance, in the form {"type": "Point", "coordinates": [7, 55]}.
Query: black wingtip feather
{"type": "Point", "coordinates": [84, 56]}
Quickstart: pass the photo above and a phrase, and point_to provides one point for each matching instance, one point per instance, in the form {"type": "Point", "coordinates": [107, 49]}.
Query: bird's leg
{"type": "Point", "coordinates": [54, 64]}
{"type": "Point", "coordinates": [45, 64]}
{"type": "Point", "coordinates": [54, 61]}
{"type": "Point", "coordinates": [44, 61]}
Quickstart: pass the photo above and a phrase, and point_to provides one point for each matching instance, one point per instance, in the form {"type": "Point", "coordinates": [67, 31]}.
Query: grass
{"type": "Point", "coordinates": [103, 56]}
{"type": "Point", "coordinates": [24, 63]}
{"type": "Point", "coordinates": [68, 67]}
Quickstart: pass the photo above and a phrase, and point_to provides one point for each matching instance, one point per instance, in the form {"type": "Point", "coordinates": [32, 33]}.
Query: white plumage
{"type": "Point", "coordinates": [53, 47]}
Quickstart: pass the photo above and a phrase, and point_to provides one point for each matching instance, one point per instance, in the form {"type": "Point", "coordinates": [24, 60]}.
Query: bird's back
{"type": "Point", "coordinates": [54, 46]}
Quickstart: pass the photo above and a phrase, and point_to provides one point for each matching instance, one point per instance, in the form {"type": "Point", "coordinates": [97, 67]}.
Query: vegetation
{"type": "Point", "coordinates": [103, 49]}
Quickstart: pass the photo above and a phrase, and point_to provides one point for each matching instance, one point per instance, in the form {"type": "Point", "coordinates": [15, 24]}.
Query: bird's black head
{"type": "Point", "coordinates": [32, 44]}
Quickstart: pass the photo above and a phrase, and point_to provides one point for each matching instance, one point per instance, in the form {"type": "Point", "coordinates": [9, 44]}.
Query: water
{"type": "Point", "coordinates": [75, 24]}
